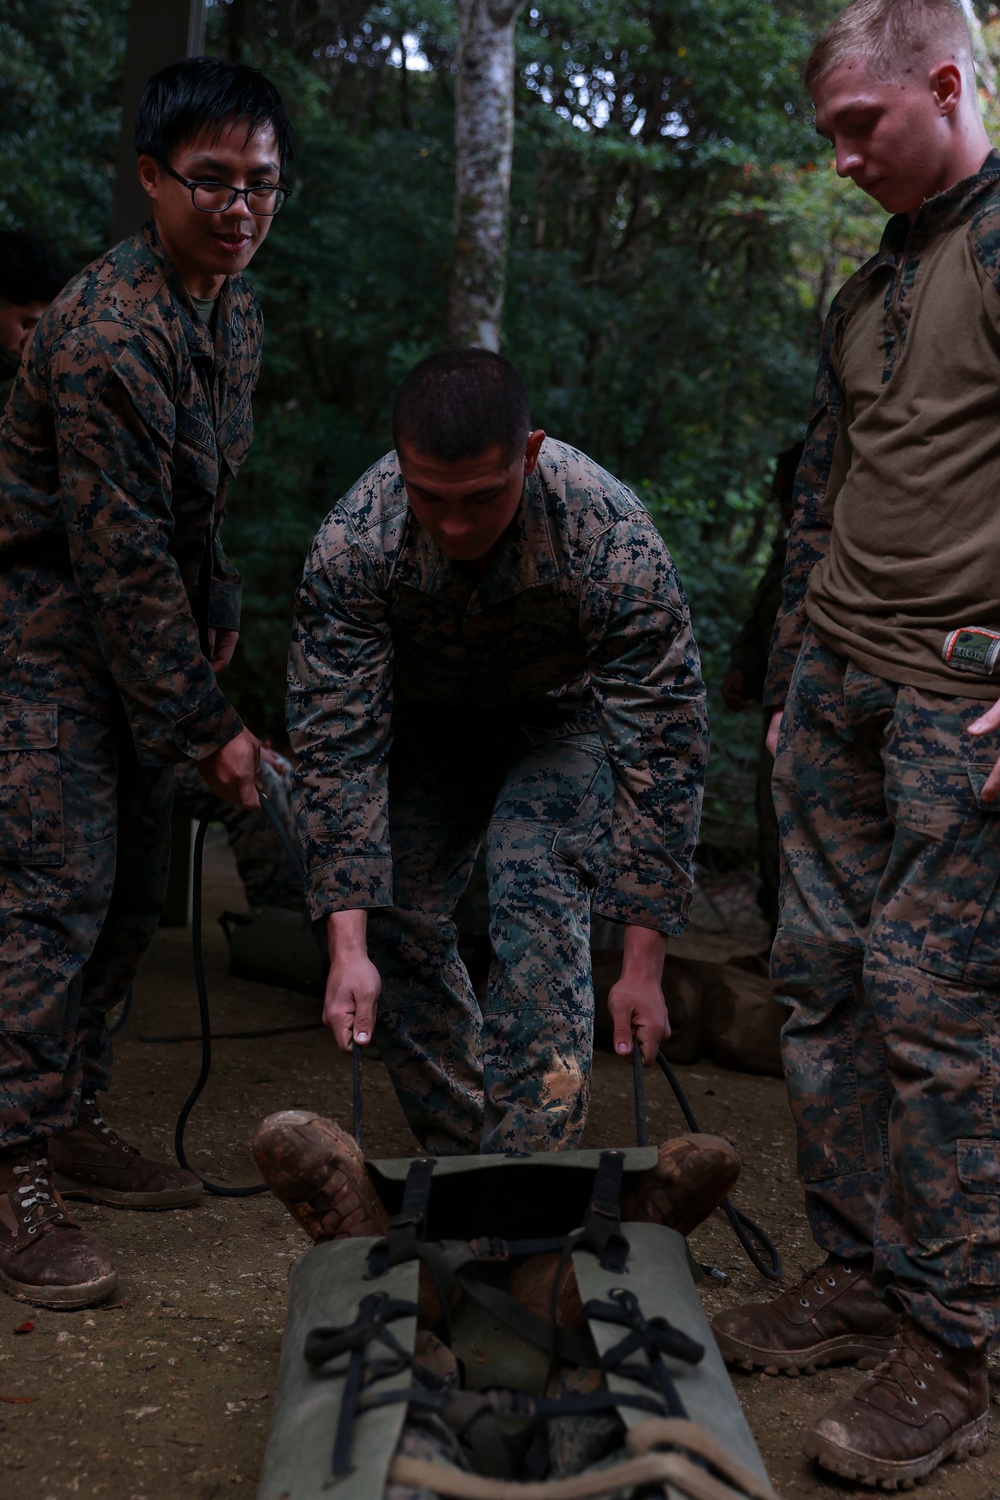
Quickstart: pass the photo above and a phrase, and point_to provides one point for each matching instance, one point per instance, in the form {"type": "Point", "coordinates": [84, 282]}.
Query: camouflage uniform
{"type": "Point", "coordinates": [116, 447]}
{"type": "Point", "coordinates": [888, 942]}
{"type": "Point", "coordinates": [553, 705]}
{"type": "Point", "coordinates": [268, 875]}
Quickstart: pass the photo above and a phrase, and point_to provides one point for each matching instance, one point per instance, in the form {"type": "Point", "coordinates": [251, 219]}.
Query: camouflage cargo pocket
{"type": "Point", "coordinates": [963, 937]}
{"type": "Point", "coordinates": [31, 811]}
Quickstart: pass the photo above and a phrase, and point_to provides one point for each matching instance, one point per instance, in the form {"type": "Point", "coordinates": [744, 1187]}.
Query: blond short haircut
{"type": "Point", "coordinates": [893, 37]}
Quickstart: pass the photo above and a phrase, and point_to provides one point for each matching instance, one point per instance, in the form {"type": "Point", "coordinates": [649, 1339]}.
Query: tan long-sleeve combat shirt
{"type": "Point", "coordinates": [123, 429]}
{"type": "Point", "coordinates": [896, 534]}
{"type": "Point", "coordinates": [580, 615]}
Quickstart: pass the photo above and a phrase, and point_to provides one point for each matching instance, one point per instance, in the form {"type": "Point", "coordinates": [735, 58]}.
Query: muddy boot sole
{"type": "Point", "coordinates": [865, 1351]}
{"type": "Point", "coordinates": [318, 1172]}
{"type": "Point", "coordinates": [968, 1442]}
{"type": "Point", "coordinates": [95, 1192]}
{"type": "Point", "coordinates": [84, 1294]}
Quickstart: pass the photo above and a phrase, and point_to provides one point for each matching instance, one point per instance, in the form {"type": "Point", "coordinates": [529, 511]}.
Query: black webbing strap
{"type": "Point", "coordinates": [601, 1231]}
{"type": "Point", "coordinates": [654, 1337]}
{"type": "Point", "coordinates": [474, 1421]}
{"type": "Point", "coordinates": [407, 1228]}
{"type": "Point", "coordinates": [485, 1248]}
{"type": "Point", "coordinates": [574, 1348]}
{"type": "Point", "coordinates": [324, 1344]}
{"type": "Point", "coordinates": [513, 1403]}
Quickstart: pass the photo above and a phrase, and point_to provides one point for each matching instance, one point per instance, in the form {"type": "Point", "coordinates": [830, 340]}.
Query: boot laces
{"type": "Point", "coordinates": [820, 1283]}
{"type": "Point", "coordinates": [910, 1366]}
{"type": "Point", "coordinates": [33, 1194]}
{"type": "Point", "coordinates": [98, 1120]}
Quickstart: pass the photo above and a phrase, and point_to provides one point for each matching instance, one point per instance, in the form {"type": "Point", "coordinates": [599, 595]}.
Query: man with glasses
{"type": "Point", "coordinates": [118, 607]}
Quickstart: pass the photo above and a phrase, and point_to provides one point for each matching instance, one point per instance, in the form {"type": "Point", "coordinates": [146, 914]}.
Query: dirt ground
{"type": "Point", "coordinates": [167, 1390]}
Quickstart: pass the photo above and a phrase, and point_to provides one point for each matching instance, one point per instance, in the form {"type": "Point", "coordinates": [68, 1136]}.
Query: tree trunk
{"type": "Point", "coordinates": [484, 145]}
{"type": "Point", "coordinates": [984, 63]}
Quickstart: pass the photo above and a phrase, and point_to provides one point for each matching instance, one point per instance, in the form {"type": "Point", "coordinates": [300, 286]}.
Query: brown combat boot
{"type": "Point", "coordinates": [922, 1405]}
{"type": "Point", "coordinates": [533, 1282]}
{"type": "Point", "coordinates": [318, 1172]}
{"type": "Point", "coordinates": [832, 1314]}
{"type": "Point", "coordinates": [91, 1162]}
{"type": "Point", "coordinates": [44, 1257]}
{"type": "Point", "coordinates": [693, 1174]}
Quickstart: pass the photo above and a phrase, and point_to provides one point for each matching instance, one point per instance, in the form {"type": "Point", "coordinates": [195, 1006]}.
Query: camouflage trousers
{"type": "Point", "coordinates": [84, 849]}
{"type": "Point", "coordinates": [888, 954]}
{"type": "Point", "coordinates": [514, 1076]}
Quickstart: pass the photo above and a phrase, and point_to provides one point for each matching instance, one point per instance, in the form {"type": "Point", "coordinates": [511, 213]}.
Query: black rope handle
{"type": "Point", "coordinates": [357, 1097]}
{"type": "Point", "coordinates": [357, 1094]}
{"type": "Point", "coordinates": [746, 1230]}
{"type": "Point", "coordinates": [217, 1189]}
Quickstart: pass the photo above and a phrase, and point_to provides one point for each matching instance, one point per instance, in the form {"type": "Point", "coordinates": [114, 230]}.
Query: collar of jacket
{"type": "Point", "coordinates": [526, 558]}
{"type": "Point", "coordinates": [196, 331]}
{"type": "Point", "coordinates": [945, 211]}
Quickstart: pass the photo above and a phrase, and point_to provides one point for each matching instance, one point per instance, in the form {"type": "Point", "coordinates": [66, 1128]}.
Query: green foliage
{"type": "Point", "coordinates": [61, 64]}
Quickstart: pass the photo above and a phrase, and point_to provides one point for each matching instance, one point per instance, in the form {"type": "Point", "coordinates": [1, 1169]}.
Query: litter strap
{"type": "Point", "coordinates": [408, 1228]}
{"type": "Point", "coordinates": [654, 1337]}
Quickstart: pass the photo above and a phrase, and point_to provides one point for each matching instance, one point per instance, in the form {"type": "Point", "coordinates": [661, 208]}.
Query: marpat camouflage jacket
{"type": "Point", "coordinates": [123, 429]}
{"type": "Point", "coordinates": [580, 614]}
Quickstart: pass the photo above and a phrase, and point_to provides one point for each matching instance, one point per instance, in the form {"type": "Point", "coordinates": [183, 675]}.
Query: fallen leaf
{"type": "Point", "coordinates": [255, 1395]}
{"type": "Point", "coordinates": [141, 1411]}
{"type": "Point", "coordinates": [25, 1328]}
{"type": "Point", "coordinates": [19, 1400]}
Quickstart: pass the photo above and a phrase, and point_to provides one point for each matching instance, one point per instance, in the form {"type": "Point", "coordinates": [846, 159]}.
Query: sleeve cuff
{"type": "Point", "coordinates": [224, 605]}
{"type": "Point", "coordinates": [666, 912]}
{"type": "Point", "coordinates": [349, 884]}
{"type": "Point", "coordinates": [212, 723]}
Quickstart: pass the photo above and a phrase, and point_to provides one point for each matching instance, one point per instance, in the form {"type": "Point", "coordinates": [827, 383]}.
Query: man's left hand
{"type": "Point", "coordinates": [636, 1002]}
{"type": "Point", "coordinates": [221, 645]}
{"type": "Point", "coordinates": [986, 724]}
{"type": "Point", "coordinates": [638, 1010]}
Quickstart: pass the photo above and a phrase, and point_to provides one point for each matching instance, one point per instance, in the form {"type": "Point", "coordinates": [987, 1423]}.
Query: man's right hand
{"type": "Point", "coordinates": [353, 984]}
{"type": "Point", "coordinates": [773, 730]}
{"type": "Point", "coordinates": [233, 771]}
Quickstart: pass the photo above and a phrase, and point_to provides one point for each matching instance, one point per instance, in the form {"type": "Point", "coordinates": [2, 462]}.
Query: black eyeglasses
{"type": "Point", "coordinates": [216, 197]}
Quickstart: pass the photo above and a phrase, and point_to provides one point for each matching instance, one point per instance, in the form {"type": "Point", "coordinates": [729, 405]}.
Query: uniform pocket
{"type": "Point", "coordinates": [963, 937]}
{"type": "Point", "coordinates": [195, 456]}
{"type": "Point", "coordinates": [235, 436]}
{"type": "Point", "coordinates": [31, 808]}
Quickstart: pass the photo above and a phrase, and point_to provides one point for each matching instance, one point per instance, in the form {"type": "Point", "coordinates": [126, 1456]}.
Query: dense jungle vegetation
{"type": "Point", "coordinates": [676, 232]}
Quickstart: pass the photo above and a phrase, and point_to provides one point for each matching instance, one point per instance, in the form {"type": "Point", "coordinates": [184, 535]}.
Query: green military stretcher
{"type": "Point", "coordinates": [348, 1381]}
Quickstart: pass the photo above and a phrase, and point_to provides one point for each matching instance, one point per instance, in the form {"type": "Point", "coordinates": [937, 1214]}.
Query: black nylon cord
{"type": "Point", "coordinates": [745, 1229]}
{"type": "Point", "coordinates": [639, 1094]}
{"type": "Point", "coordinates": [218, 1189]}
